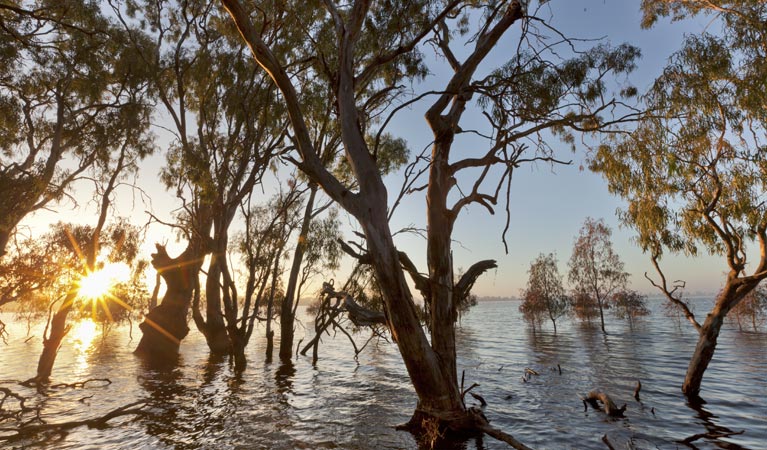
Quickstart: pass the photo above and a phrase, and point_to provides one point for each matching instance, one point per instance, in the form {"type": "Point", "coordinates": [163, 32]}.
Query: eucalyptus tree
{"type": "Point", "coordinates": [694, 173]}
{"type": "Point", "coordinates": [545, 294]}
{"type": "Point", "coordinates": [70, 91]}
{"type": "Point", "coordinates": [263, 246]}
{"type": "Point", "coordinates": [366, 56]}
{"type": "Point", "coordinates": [316, 252]}
{"type": "Point", "coordinates": [74, 252]}
{"type": "Point", "coordinates": [595, 270]}
{"type": "Point", "coordinates": [225, 128]}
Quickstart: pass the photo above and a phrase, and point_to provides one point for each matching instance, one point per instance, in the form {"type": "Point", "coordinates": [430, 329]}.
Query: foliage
{"type": "Point", "coordinates": [595, 270]}
{"type": "Point", "coordinates": [545, 295]}
{"type": "Point", "coordinates": [694, 173]}
{"type": "Point", "coordinates": [45, 269]}
{"type": "Point", "coordinates": [584, 306]}
{"type": "Point", "coordinates": [72, 94]}
{"type": "Point", "coordinates": [752, 310]}
{"type": "Point", "coordinates": [629, 305]}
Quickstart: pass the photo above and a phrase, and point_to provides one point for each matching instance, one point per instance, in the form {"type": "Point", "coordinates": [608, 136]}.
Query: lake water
{"type": "Point", "coordinates": [348, 404]}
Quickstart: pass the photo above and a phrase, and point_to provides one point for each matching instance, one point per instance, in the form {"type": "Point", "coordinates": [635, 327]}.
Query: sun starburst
{"type": "Point", "coordinates": [97, 284]}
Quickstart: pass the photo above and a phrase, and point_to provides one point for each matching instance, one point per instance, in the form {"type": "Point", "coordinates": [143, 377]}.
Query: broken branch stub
{"type": "Point", "coordinates": [594, 398]}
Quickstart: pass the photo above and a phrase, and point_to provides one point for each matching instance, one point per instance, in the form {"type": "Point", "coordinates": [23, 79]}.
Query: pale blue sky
{"type": "Point", "coordinates": [548, 207]}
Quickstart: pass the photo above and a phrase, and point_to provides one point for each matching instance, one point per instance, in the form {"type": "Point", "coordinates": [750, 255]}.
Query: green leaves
{"type": "Point", "coordinates": [693, 172]}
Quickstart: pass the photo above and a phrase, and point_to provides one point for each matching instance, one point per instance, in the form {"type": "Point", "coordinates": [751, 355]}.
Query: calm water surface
{"type": "Point", "coordinates": [348, 404]}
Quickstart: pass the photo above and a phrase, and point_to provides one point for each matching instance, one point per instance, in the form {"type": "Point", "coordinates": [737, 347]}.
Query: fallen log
{"type": "Point", "coordinates": [595, 397]}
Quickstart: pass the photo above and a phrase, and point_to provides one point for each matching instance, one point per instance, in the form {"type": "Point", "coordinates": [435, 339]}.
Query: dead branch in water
{"type": "Point", "coordinates": [81, 384]}
{"type": "Point", "coordinates": [503, 437]}
{"type": "Point", "coordinates": [332, 305]}
{"type": "Point", "coordinates": [595, 397]}
{"type": "Point", "coordinates": [96, 422]}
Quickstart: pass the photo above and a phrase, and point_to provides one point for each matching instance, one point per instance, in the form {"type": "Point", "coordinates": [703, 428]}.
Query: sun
{"type": "Point", "coordinates": [97, 284]}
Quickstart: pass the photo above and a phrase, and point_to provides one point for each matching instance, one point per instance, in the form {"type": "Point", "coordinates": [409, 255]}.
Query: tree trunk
{"type": "Point", "coordinates": [270, 307]}
{"type": "Point", "coordinates": [704, 352]}
{"type": "Point", "coordinates": [730, 296]}
{"type": "Point", "coordinates": [51, 343]}
{"type": "Point", "coordinates": [215, 329]}
{"type": "Point", "coordinates": [438, 393]}
{"type": "Point", "coordinates": [601, 315]}
{"type": "Point", "coordinates": [5, 236]}
{"type": "Point", "coordinates": [237, 345]}
{"type": "Point", "coordinates": [165, 326]}
{"type": "Point", "coordinates": [440, 259]}
{"type": "Point", "coordinates": [287, 314]}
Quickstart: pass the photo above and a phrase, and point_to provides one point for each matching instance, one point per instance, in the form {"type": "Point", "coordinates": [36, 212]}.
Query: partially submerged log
{"type": "Point", "coordinates": [595, 397]}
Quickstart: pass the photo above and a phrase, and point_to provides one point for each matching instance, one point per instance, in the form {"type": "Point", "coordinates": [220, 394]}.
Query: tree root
{"type": "Point", "coordinates": [96, 422]}
{"type": "Point", "coordinates": [595, 397]}
{"type": "Point", "coordinates": [503, 437]}
{"type": "Point", "coordinates": [431, 430]}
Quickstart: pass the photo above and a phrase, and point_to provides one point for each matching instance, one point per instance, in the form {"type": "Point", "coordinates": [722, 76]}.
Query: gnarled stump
{"type": "Point", "coordinates": [165, 326]}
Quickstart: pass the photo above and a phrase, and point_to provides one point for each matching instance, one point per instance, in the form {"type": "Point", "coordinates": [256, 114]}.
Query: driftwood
{"type": "Point", "coordinates": [503, 437]}
{"type": "Point", "coordinates": [595, 397]}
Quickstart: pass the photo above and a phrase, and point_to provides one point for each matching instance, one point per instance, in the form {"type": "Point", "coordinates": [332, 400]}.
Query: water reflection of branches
{"type": "Point", "coordinates": [714, 431]}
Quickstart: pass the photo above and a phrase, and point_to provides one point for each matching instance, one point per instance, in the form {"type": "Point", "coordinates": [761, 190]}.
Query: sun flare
{"type": "Point", "coordinates": [98, 283]}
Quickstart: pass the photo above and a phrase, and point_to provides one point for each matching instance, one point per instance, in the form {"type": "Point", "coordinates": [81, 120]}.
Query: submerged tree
{"type": "Point", "coordinates": [84, 257]}
{"type": "Point", "coordinates": [694, 173]}
{"type": "Point", "coordinates": [752, 309]}
{"type": "Point", "coordinates": [596, 272]}
{"type": "Point", "coordinates": [629, 305]}
{"type": "Point", "coordinates": [545, 295]}
{"type": "Point", "coordinates": [226, 128]}
{"type": "Point", "coordinates": [365, 55]}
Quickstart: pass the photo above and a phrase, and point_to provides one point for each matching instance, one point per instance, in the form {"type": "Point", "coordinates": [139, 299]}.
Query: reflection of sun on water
{"type": "Point", "coordinates": [83, 334]}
